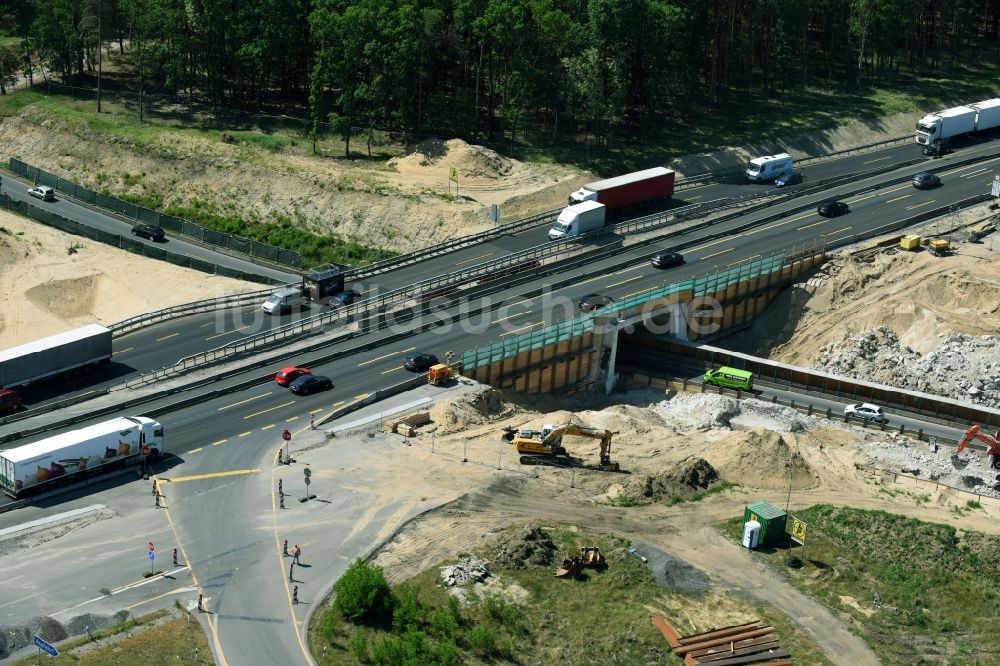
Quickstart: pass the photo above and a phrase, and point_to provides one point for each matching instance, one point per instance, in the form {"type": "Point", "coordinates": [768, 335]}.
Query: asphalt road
{"type": "Point", "coordinates": [220, 493]}
{"type": "Point", "coordinates": [97, 218]}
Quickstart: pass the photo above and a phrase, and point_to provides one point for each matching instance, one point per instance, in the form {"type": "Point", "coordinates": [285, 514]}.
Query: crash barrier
{"type": "Point", "coordinates": [51, 219]}
{"type": "Point", "coordinates": [825, 383]}
{"type": "Point", "coordinates": [138, 322]}
{"type": "Point", "coordinates": [52, 406]}
{"type": "Point", "coordinates": [252, 248]}
{"type": "Point", "coordinates": [371, 398]}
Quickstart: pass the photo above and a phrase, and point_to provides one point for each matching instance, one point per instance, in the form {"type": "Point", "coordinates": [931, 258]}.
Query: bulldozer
{"type": "Point", "coordinates": [590, 557]}
{"type": "Point", "coordinates": [545, 446]}
{"type": "Point", "coordinates": [992, 444]}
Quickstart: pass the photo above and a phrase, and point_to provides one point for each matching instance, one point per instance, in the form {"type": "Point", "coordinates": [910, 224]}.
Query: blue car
{"type": "Point", "coordinates": [793, 178]}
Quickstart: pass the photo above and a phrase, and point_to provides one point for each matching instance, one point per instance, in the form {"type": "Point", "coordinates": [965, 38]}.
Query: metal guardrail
{"type": "Point", "coordinates": [208, 305]}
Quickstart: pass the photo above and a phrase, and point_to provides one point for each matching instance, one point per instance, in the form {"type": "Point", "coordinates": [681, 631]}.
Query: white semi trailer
{"type": "Point", "coordinates": [72, 455]}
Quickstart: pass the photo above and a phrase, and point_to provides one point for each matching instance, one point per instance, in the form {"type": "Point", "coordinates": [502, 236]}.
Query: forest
{"type": "Point", "coordinates": [499, 69]}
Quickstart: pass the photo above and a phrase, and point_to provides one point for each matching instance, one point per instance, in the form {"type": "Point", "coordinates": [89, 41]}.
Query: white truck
{"type": "Point", "coordinates": [72, 455]}
{"type": "Point", "coordinates": [987, 114]}
{"type": "Point", "coordinates": [769, 167]}
{"type": "Point", "coordinates": [944, 125]}
{"type": "Point", "coordinates": [578, 219]}
{"type": "Point", "coordinates": [55, 355]}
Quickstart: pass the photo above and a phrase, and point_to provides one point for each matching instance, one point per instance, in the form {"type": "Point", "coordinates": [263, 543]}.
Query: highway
{"type": "Point", "coordinates": [163, 344]}
{"type": "Point", "coordinates": [220, 492]}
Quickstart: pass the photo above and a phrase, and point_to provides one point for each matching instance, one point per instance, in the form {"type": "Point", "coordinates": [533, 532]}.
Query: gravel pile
{"type": "Point", "coordinates": [969, 471]}
{"type": "Point", "coordinates": [966, 367]}
{"type": "Point", "coordinates": [707, 411]}
{"type": "Point", "coordinates": [470, 569]}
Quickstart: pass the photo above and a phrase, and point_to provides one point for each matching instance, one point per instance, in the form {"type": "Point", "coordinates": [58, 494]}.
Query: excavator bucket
{"type": "Point", "coordinates": [570, 568]}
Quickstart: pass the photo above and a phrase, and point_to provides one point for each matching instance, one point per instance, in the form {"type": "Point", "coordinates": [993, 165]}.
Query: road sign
{"type": "Point", "coordinates": [286, 435]}
{"type": "Point", "coordinates": [40, 642]}
{"type": "Point", "coordinates": [152, 555]}
{"type": "Point", "coordinates": [996, 186]}
{"type": "Point", "coordinates": [798, 531]}
{"type": "Point", "coordinates": [151, 548]}
{"type": "Point", "coordinates": [308, 472]}
{"type": "Point", "coordinates": [145, 450]}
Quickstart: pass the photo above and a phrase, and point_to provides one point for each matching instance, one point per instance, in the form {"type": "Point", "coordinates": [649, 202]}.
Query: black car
{"type": "Point", "coordinates": [307, 384]}
{"type": "Point", "coordinates": [832, 208]}
{"type": "Point", "coordinates": [793, 178]}
{"type": "Point", "coordinates": [419, 362]}
{"type": "Point", "coordinates": [592, 302]}
{"type": "Point", "coordinates": [666, 259]}
{"type": "Point", "coordinates": [926, 180]}
{"type": "Point", "coordinates": [150, 231]}
{"type": "Point", "coordinates": [344, 298]}
{"type": "Point", "coordinates": [938, 148]}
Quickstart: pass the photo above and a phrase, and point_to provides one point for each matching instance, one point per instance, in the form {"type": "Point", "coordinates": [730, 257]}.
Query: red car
{"type": "Point", "coordinates": [9, 400]}
{"type": "Point", "coordinates": [289, 375]}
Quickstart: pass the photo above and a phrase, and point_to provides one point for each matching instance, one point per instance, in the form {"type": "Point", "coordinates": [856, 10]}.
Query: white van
{"type": "Point", "coordinates": [283, 300]}
{"type": "Point", "coordinates": [767, 168]}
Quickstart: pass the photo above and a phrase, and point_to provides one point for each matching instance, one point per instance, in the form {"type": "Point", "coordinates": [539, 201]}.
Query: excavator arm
{"type": "Point", "coordinates": [992, 443]}
{"type": "Point", "coordinates": [550, 441]}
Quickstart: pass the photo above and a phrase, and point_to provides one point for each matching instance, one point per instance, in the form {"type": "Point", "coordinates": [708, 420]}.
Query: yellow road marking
{"type": "Point", "coordinates": [633, 268]}
{"type": "Point", "coordinates": [523, 328]}
{"type": "Point", "coordinates": [195, 450]}
{"type": "Point", "coordinates": [159, 596]}
{"type": "Point", "coordinates": [336, 404]}
{"type": "Point", "coordinates": [269, 409]}
{"type": "Point", "coordinates": [248, 432]}
{"type": "Point", "coordinates": [167, 337]}
{"type": "Point", "coordinates": [756, 256]}
{"type": "Point", "coordinates": [881, 159]}
{"type": "Point", "coordinates": [402, 351]}
{"type": "Point", "coordinates": [482, 256]}
{"type": "Point", "coordinates": [693, 198]}
{"type": "Point", "coordinates": [194, 579]}
{"type": "Point", "coordinates": [215, 475]}
{"type": "Point", "coordinates": [814, 224]}
{"type": "Point", "coordinates": [905, 196]}
{"type": "Point", "coordinates": [519, 314]}
{"type": "Point", "coordinates": [839, 231]}
{"type": "Point", "coordinates": [122, 351]}
{"type": "Point", "coordinates": [718, 253]}
{"type": "Point", "coordinates": [974, 173]}
{"type": "Point", "coordinates": [290, 419]}
{"type": "Point", "coordinates": [360, 396]}
{"type": "Point", "coordinates": [618, 284]}
{"type": "Point", "coordinates": [317, 411]}
{"type": "Point", "coordinates": [926, 203]}
{"type": "Point", "coordinates": [208, 324]}
{"type": "Point", "coordinates": [307, 657]}
{"type": "Point", "coordinates": [385, 372]}
{"type": "Point", "coordinates": [593, 279]}
{"type": "Point", "coordinates": [220, 442]}
{"type": "Point", "coordinates": [268, 427]}
{"type": "Point", "coordinates": [241, 402]}
{"type": "Point", "coordinates": [235, 330]}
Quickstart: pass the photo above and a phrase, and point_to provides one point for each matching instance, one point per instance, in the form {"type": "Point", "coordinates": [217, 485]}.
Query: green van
{"type": "Point", "coordinates": [730, 378]}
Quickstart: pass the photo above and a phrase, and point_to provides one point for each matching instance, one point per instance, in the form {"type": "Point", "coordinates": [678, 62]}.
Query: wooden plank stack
{"type": "Point", "coordinates": [750, 643]}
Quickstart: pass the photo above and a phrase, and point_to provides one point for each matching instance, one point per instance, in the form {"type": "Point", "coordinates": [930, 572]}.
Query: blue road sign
{"type": "Point", "coordinates": [40, 642]}
{"type": "Point", "coordinates": [152, 555]}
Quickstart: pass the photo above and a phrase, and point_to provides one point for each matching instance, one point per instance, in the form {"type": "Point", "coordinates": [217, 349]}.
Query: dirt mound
{"type": "Point", "coordinates": [455, 414]}
{"type": "Point", "coordinates": [71, 297]}
{"type": "Point", "coordinates": [690, 476]}
{"type": "Point", "coordinates": [761, 459]}
{"type": "Point", "coordinates": [471, 161]}
{"type": "Point", "coordinates": [524, 548]}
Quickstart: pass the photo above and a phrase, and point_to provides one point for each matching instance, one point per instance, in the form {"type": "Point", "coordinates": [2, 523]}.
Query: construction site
{"type": "Point", "coordinates": [636, 502]}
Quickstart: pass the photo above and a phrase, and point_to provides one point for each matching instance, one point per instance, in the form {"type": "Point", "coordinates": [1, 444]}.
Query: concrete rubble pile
{"type": "Point", "coordinates": [470, 569]}
{"type": "Point", "coordinates": [966, 367]}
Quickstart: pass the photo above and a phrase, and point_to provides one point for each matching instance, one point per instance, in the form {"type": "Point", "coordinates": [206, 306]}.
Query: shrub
{"type": "Point", "coordinates": [388, 652]}
{"type": "Point", "coordinates": [363, 595]}
{"type": "Point", "coordinates": [328, 628]}
{"type": "Point", "coordinates": [447, 653]}
{"type": "Point", "coordinates": [482, 641]}
{"type": "Point", "coordinates": [443, 624]}
{"type": "Point", "coordinates": [359, 646]}
{"type": "Point", "coordinates": [407, 611]}
{"type": "Point", "coordinates": [505, 613]}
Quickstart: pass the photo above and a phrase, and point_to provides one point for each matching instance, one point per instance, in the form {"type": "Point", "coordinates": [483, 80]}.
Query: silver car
{"type": "Point", "coordinates": [43, 192]}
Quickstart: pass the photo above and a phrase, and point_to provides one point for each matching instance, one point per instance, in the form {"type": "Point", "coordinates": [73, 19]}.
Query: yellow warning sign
{"type": "Point", "coordinates": [453, 174]}
{"type": "Point", "coordinates": [798, 531]}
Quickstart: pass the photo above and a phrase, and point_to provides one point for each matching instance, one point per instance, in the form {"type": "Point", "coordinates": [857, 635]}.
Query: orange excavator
{"type": "Point", "coordinates": [992, 444]}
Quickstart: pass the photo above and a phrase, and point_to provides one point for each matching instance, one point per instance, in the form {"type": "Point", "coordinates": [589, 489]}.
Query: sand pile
{"type": "Point", "coordinates": [690, 476]}
{"type": "Point", "coordinates": [761, 459]}
{"type": "Point", "coordinates": [471, 161]}
{"type": "Point", "coordinates": [457, 413]}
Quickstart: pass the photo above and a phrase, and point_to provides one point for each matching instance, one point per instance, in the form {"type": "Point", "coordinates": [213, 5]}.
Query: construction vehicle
{"type": "Point", "coordinates": [439, 374]}
{"type": "Point", "coordinates": [571, 568]}
{"type": "Point", "coordinates": [992, 444]}
{"type": "Point", "coordinates": [593, 558]}
{"type": "Point", "coordinates": [544, 447]}
{"type": "Point", "coordinates": [939, 247]}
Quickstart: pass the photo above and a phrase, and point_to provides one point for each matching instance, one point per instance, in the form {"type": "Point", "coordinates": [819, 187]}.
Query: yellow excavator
{"type": "Point", "coordinates": [544, 446]}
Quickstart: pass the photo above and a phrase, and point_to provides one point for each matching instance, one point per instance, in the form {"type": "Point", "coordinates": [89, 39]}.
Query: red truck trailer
{"type": "Point", "coordinates": [629, 193]}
